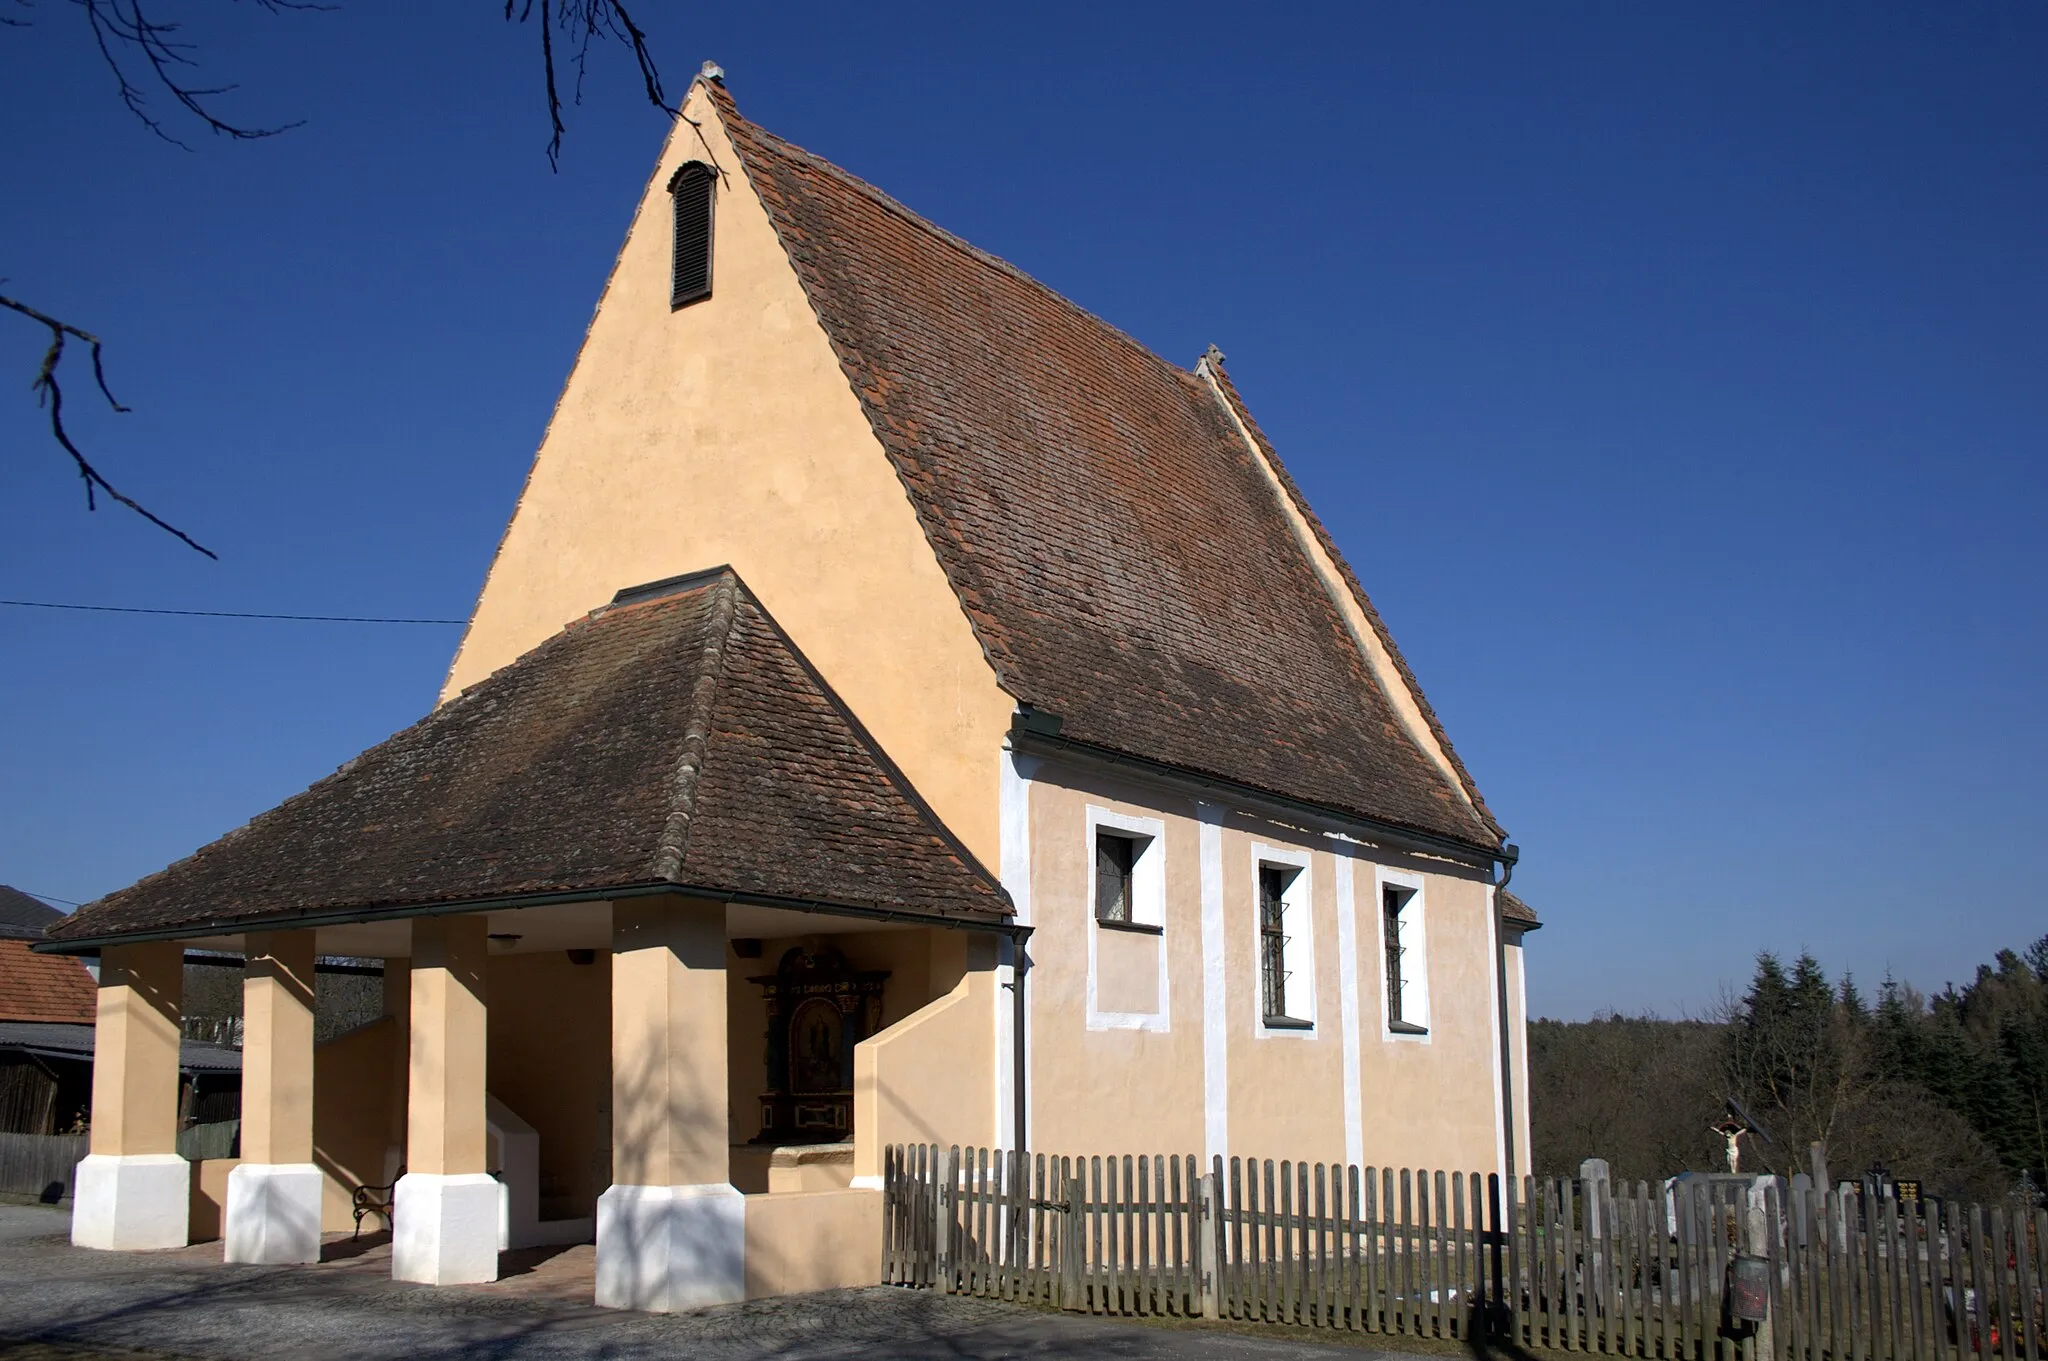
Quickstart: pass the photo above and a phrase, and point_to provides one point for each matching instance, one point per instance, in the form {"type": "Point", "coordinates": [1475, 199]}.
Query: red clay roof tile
{"type": "Point", "coordinates": [675, 740]}
{"type": "Point", "coordinates": [1124, 562]}
{"type": "Point", "coordinates": [43, 987]}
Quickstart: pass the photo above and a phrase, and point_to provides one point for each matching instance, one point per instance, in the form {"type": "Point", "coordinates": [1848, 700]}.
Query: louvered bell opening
{"type": "Point", "coordinates": [691, 189]}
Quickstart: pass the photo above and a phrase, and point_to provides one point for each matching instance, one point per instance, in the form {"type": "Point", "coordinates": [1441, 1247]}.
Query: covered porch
{"type": "Point", "coordinates": [696, 956]}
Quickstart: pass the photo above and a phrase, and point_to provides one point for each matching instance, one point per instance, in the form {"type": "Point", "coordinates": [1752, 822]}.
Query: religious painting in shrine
{"type": "Point", "coordinates": [819, 1008]}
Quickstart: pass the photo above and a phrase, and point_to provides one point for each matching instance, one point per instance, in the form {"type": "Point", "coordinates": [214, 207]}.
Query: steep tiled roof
{"type": "Point", "coordinates": [43, 987]}
{"type": "Point", "coordinates": [1125, 563]}
{"type": "Point", "coordinates": [679, 739]}
{"type": "Point", "coordinates": [22, 916]}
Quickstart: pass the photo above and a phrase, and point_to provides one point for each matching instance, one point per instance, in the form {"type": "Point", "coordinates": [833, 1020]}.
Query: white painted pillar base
{"type": "Point", "coordinates": [132, 1202]}
{"type": "Point", "coordinates": [273, 1213]}
{"type": "Point", "coordinates": [444, 1229]}
{"type": "Point", "coordinates": [668, 1248]}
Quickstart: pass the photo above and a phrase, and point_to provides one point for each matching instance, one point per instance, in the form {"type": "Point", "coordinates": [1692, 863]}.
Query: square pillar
{"type": "Point", "coordinates": [671, 1230]}
{"type": "Point", "coordinates": [445, 1215]}
{"type": "Point", "coordinates": [273, 1210]}
{"type": "Point", "coordinates": [132, 1190]}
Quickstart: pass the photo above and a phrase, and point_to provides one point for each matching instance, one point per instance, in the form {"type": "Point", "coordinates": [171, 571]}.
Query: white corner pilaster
{"type": "Point", "coordinates": [444, 1228]}
{"type": "Point", "coordinates": [671, 1230]}
{"type": "Point", "coordinates": [133, 1192]}
{"type": "Point", "coordinates": [273, 1209]}
{"type": "Point", "coordinates": [131, 1202]}
{"type": "Point", "coordinates": [445, 1212]}
{"type": "Point", "coordinates": [273, 1213]}
{"type": "Point", "coordinates": [669, 1248]}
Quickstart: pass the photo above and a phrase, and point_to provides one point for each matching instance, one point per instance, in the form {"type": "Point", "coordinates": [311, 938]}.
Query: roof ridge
{"type": "Point", "coordinates": [730, 110]}
{"type": "Point", "coordinates": [675, 831]}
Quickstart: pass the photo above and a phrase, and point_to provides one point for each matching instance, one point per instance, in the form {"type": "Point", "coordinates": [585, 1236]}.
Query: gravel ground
{"type": "Point", "coordinates": [60, 1303]}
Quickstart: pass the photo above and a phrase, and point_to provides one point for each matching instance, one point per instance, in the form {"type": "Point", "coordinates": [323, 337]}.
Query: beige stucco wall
{"type": "Point", "coordinates": [208, 1209]}
{"type": "Point", "coordinates": [136, 1034]}
{"type": "Point", "coordinates": [1124, 1086]}
{"type": "Point", "coordinates": [352, 1120]}
{"type": "Point", "coordinates": [669, 1056]}
{"type": "Point", "coordinates": [445, 1133]}
{"type": "Point", "coordinates": [1433, 1103]}
{"type": "Point", "coordinates": [799, 1241]}
{"type": "Point", "coordinates": [277, 1048]}
{"type": "Point", "coordinates": [726, 433]}
{"type": "Point", "coordinates": [1111, 1090]}
{"type": "Point", "coordinates": [550, 1055]}
{"type": "Point", "coordinates": [930, 1077]}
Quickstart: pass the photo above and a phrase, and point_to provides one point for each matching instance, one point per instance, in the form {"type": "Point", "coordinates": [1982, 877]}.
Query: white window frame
{"type": "Point", "coordinates": [1148, 912]}
{"type": "Point", "coordinates": [1297, 917]}
{"type": "Point", "coordinates": [1414, 929]}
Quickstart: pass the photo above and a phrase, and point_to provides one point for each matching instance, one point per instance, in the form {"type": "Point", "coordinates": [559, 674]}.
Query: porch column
{"type": "Point", "coordinates": [273, 1212]}
{"type": "Point", "coordinates": [445, 1215]}
{"type": "Point", "coordinates": [671, 1230]}
{"type": "Point", "coordinates": [132, 1190]}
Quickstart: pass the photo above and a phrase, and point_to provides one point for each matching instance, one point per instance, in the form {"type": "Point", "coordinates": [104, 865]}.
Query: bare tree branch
{"type": "Point", "coordinates": [147, 55]}
{"type": "Point", "coordinates": [586, 22]}
{"type": "Point", "coordinates": [50, 393]}
{"type": "Point", "coordinates": [125, 32]}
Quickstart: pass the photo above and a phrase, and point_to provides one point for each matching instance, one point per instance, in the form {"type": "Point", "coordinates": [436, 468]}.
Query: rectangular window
{"type": "Point", "coordinates": [1115, 857]}
{"type": "Point", "coordinates": [1403, 1017]}
{"type": "Point", "coordinates": [1273, 972]}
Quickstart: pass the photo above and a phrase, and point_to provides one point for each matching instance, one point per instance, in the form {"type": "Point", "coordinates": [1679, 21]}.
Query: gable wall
{"type": "Point", "coordinates": [726, 433]}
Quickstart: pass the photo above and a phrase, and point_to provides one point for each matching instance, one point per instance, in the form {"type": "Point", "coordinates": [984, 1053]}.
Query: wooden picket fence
{"type": "Point", "coordinates": [39, 1165]}
{"type": "Point", "coordinates": [1708, 1269]}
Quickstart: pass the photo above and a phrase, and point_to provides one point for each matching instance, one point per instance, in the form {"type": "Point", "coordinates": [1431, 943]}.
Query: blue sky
{"type": "Point", "coordinates": [1674, 376]}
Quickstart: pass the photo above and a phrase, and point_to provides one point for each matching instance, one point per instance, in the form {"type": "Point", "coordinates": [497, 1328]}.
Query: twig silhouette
{"type": "Point", "coordinates": [50, 394]}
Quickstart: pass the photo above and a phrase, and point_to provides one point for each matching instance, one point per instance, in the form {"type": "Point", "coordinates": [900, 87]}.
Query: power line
{"type": "Point", "coordinates": [225, 614]}
{"type": "Point", "coordinates": [48, 898]}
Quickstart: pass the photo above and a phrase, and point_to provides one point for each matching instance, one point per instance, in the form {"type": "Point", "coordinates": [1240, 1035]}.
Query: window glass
{"type": "Point", "coordinates": [1114, 856]}
{"type": "Point", "coordinates": [1273, 938]}
{"type": "Point", "coordinates": [1391, 905]}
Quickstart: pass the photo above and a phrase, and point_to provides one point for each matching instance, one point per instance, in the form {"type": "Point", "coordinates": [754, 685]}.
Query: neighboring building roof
{"type": "Point", "coordinates": [1124, 561]}
{"type": "Point", "coordinates": [37, 987]}
{"type": "Point", "coordinates": [673, 740]}
{"type": "Point", "coordinates": [75, 1042]}
{"type": "Point", "coordinates": [23, 917]}
{"type": "Point", "coordinates": [1515, 910]}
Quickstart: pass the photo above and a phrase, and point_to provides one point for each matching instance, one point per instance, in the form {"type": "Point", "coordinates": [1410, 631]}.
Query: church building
{"type": "Point", "coordinates": [902, 708]}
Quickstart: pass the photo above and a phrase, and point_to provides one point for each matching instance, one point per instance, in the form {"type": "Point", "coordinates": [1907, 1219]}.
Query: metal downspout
{"type": "Point", "coordinates": [1018, 1082]}
{"type": "Point", "coordinates": [1509, 854]}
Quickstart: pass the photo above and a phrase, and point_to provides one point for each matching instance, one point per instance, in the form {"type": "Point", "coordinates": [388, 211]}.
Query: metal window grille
{"type": "Point", "coordinates": [691, 189]}
{"type": "Point", "coordinates": [1273, 938]}
{"type": "Point", "coordinates": [1391, 906]}
{"type": "Point", "coordinates": [1114, 857]}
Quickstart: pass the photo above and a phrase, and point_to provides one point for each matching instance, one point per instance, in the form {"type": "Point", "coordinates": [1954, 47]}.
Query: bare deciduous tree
{"type": "Point", "coordinates": [152, 61]}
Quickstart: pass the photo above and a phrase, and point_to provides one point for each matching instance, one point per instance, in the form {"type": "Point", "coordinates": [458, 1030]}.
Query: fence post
{"type": "Point", "coordinates": [1759, 1229]}
{"type": "Point", "coordinates": [1211, 1220]}
{"type": "Point", "coordinates": [942, 1210]}
{"type": "Point", "coordinates": [1071, 1266]}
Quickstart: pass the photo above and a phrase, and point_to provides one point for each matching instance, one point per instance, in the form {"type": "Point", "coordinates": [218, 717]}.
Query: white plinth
{"type": "Point", "coordinates": [444, 1229]}
{"type": "Point", "coordinates": [273, 1213]}
{"type": "Point", "coordinates": [131, 1203]}
{"type": "Point", "coordinates": [666, 1248]}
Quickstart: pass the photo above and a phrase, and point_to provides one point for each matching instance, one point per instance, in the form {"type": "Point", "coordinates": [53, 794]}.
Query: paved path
{"type": "Point", "coordinates": [186, 1304]}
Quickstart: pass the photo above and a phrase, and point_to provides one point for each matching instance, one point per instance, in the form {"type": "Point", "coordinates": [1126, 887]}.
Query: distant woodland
{"type": "Point", "coordinates": [1951, 1089]}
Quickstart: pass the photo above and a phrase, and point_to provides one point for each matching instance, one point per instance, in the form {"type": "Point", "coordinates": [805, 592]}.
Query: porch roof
{"type": "Point", "coordinates": [673, 739]}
